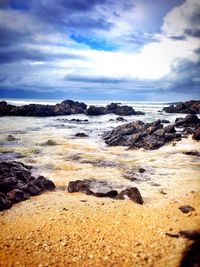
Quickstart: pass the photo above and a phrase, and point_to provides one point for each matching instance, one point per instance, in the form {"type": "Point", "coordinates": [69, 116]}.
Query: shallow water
{"type": "Point", "coordinates": [168, 171]}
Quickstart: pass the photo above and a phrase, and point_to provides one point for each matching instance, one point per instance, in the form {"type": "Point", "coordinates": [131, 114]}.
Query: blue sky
{"type": "Point", "coordinates": [100, 49]}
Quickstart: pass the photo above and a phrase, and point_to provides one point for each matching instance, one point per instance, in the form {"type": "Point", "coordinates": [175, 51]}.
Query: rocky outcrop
{"type": "Point", "coordinates": [189, 121]}
{"type": "Point", "coordinates": [67, 107]}
{"type": "Point", "coordinates": [85, 186]}
{"type": "Point", "coordinates": [141, 135]}
{"type": "Point", "coordinates": [81, 135]}
{"type": "Point", "coordinates": [196, 134]}
{"type": "Point", "coordinates": [188, 107]}
{"type": "Point", "coordinates": [18, 184]}
{"type": "Point", "coordinates": [112, 108]}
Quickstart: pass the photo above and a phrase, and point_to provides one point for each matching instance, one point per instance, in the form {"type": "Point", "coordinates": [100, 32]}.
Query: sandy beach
{"type": "Point", "coordinates": [60, 229]}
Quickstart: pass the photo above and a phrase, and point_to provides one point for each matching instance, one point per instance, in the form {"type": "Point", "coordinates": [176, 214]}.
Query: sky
{"type": "Point", "coordinates": [142, 50]}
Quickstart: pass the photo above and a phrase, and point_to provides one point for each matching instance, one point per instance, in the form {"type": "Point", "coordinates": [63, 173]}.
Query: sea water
{"type": "Point", "coordinates": [167, 170]}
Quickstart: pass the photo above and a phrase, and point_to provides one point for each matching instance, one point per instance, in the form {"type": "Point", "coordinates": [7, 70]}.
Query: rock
{"type": "Point", "coordinates": [120, 119]}
{"type": "Point", "coordinates": [141, 135]}
{"type": "Point", "coordinates": [32, 189]}
{"type": "Point", "coordinates": [79, 186]}
{"type": "Point", "coordinates": [131, 193]}
{"type": "Point", "coordinates": [66, 107]}
{"type": "Point", "coordinates": [4, 202]}
{"type": "Point", "coordinates": [44, 184]}
{"type": "Point", "coordinates": [141, 170]}
{"type": "Point", "coordinates": [189, 121]}
{"type": "Point", "coordinates": [191, 256]}
{"type": "Point", "coordinates": [169, 129]}
{"type": "Point", "coordinates": [49, 143]}
{"type": "Point", "coordinates": [11, 138]}
{"type": "Point", "coordinates": [196, 135]}
{"type": "Point", "coordinates": [165, 121]}
{"type": "Point", "coordinates": [7, 184]}
{"type": "Point", "coordinates": [84, 186]}
{"type": "Point", "coordinates": [95, 111]}
{"type": "Point", "coordinates": [17, 195]}
{"type": "Point", "coordinates": [188, 107]}
{"type": "Point", "coordinates": [190, 234]}
{"type": "Point", "coordinates": [17, 183]}
{"type": "Point", "coordinates": [186, 208]}
{"type": "Point", "coordinates": [117, 109]}
{"type": "Point", "coordinates": [81, 135]}
{"type": "Point", "coordinates": [192, 153]}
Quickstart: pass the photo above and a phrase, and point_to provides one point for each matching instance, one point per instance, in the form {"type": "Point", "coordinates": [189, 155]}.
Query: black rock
{"type": "Point", "coordinates": [81, 135]}
{"type": "Point", "coordinates": [186, 208]}
{"type": "Point", "coordinates": [196, 135]}
{"type": "Point", "coordinates": [17, 183]}
{"type": "Point", "coordinates": [188, 107]}
{"type": "Point", "coordinates": [189, 121]}
{"type": "Point", "coordinates": [131, 193]}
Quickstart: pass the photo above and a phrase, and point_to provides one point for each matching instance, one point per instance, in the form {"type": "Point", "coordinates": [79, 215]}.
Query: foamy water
{"type": "Point", "coordinates": [168, 170]}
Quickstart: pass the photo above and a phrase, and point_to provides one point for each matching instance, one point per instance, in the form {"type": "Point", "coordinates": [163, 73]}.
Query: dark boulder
{"type": "Point", "coordinates": [95, 111]}
{"type": "Point", "coordinates": [17, 183]}
{"type": "Point", "coordinates": [188, 107]}
{"type": "Point", "coordinates": [44, 184]}
{"type": "Point", "coordinates": [196, 135]}
{"type": "Point", "coordinates": [141, 135]}
{"type": "Point", "coordinates": [17, 195]}
{"type": "Point", "coordinates": [186, 208]}
{"type": "Point", "coordinates": [81, 135]}
{"type": "Point", "coordinates": [4, 202]}
{"type": "Point", "coordinates": [117, 109]}
{"type": "Point", "coordinates": [131, 193]}
{"type": "Point", "coordinates": [120, 119]}
{"type": "Point", "coordinates": [79, 186]}
{"type": "Point", "coordinates": [189, 121]}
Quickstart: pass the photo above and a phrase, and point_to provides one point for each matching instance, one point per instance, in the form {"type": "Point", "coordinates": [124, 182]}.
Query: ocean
{"type": "Point", "coordinates": [72, 158]}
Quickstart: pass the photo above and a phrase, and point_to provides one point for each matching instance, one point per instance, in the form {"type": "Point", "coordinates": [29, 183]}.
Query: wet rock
{"type": "Point", "coordinates": [17, 183]}
{"type": "Point", "coordinates": [191, 257]}
{"type": "Point", "coordinates": [169, 129]}
{"type": "Point", "coordinates": [141, 170]}
{"type": "Point", "coordinates": [32, 189]}
{"type": "Point", "coordinates": [141, 135]}
{"type": "Point", "coordinates": [85, 186]}
{"type": "Point", "coordinates": [49, 143]}
{"type": "Point", "coordinates": [190, 234]}
{"type": "Point", "coordinates": [192, 153]}
{"type": "Point", "coordinates": [189, 121]}
{"type": "Point", "coordinates": [17, 195]}
{"type": "Point", "coordinates": [7, 184]}
{"type": "Point", "coordinates": [186, 208]}
{"type": "Point", "coordinates": [81, 135]}
{"type": "Point", "coordinates": [79, 186]}
{"type": "Point", "coordinates": [165, 121]}
{"type": "Point", "coordinates": [4, 202]}
{"type": "Point", "coordinates": [95, 111]}
{"type": "Point", "coordinates": [44, 184]}
{"type": "Point", "coordinates": [11, 138]}
{"type": "Point", "coordinates": [131, 193]}
{"type": "Point", "coordinates": [196, 135]}
{"type": "Point", "coordinates": [188, 107]}
{"type": "Point", "coordinates": [120, 119]}
{"type": "Point", "coordinates": [66, 107]}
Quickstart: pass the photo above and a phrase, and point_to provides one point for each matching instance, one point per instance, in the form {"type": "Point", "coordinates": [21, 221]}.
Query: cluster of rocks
{"type": "Point", "coordinates": [18, 184]}
{"type": "Point", "coordinates": [151, 135]}
{"type": "Point", "coordinates": [114, 108]}
{"type": "Point", "coordinates": [84, 186]}
{"type": "Point", "coordinates": [67, 107]}
{"type": "Point", "coordinates": [188, 107]}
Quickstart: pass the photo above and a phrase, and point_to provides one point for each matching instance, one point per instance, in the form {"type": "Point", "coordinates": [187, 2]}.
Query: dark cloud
{"type": "Point", "coordinates": [9, 37]}
{"type": "Point", "coordinates": [178, 38]}
{"type": "Point", "coordinates": [11, 56]}
{"type": "Point", "coordinates": [192, 32]}
{"type": "Point", "coordinates": [86, 79]}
